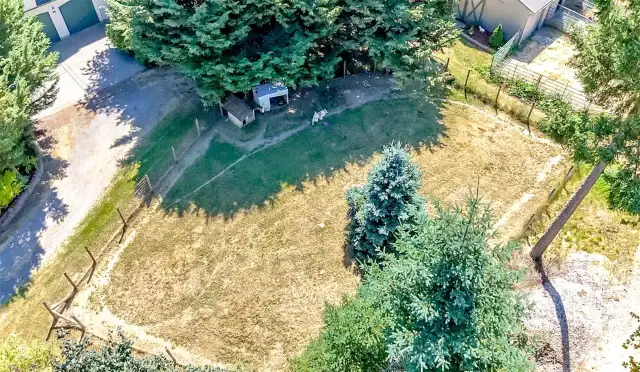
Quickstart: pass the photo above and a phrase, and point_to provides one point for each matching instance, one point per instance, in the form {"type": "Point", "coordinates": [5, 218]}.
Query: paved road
{"type": "Point", "coordinates": [106, 101]}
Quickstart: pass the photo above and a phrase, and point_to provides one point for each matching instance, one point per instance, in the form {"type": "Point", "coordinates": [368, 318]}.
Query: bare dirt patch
{"type": "Point", "coordinates": [548, 53]}
{"type": "Point", "coordinates": [250, 289]}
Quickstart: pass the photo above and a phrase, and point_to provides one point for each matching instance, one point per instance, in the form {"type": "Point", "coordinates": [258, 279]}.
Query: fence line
{"type": "Point", "coordinates": [565, 19]}
{"type": "Point", "coordinates": [504, 51]}
{"type": "Point", "coordinates": [510, 70]}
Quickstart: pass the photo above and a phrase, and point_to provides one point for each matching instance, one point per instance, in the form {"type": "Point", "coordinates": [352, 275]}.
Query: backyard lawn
{"type": "Point", "coordinates": [239, 261]}
{"type": "Point", "coordinates": [240, 270]}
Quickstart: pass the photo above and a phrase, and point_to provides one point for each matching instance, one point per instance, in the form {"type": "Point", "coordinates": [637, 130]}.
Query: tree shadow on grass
{"type": "Point", "coordinates": [351, 137]}
{"type": "Point", "coordinates": [562, 316]}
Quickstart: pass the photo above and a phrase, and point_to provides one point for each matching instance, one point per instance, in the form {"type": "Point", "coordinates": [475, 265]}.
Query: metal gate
{"type": "Point", "coordinates": [78, 15]}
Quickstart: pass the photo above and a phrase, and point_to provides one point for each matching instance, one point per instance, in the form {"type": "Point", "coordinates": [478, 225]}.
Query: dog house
{"type": "Point", "coordinates": [265, 94]}
{"type": "Point", "coordinates": [238, 111]}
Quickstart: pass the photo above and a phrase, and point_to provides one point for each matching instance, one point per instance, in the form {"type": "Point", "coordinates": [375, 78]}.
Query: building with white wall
{"type": "Point", "coordinates": [525, 16]}
{"type": "Point", "coordinates": [62, 18]}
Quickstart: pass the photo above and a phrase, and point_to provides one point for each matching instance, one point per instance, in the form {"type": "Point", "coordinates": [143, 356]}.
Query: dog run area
{"type": "Point", "coordinates": [247, 247]}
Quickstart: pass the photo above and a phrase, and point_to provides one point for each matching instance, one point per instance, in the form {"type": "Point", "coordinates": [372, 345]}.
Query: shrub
{"type": "Point", "coordinates": [382, 205]}
{"type": "Point", "coordinates": [115, 356]}
{"type": "Point", "coordinates": [624, 190]}
{"type": "Point", "coordinates": [16, 355]}
{"type": "Point", "coordinates": [353, 340]}
{"type": "Point", "coordinates": [525, 91]}
{"type": "Point", "coordinates": [496, 40]}
{"type": "Point", "coordinates": [11, 184]}
{"type": "Point", "coordinates": [562, 122]}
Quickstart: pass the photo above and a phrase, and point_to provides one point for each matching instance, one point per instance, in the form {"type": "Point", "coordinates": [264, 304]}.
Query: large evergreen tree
{"type": "Point", "coordinates": [444, 301]}
{"type": "Point", "coordinates": [399, 35]}
{"type": "Point", "coordinates": [379, 208]}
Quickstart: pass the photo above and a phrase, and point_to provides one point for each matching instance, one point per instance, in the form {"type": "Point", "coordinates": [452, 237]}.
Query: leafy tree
{"type": "Point", "coordinates": [607, 57]}
{"type": "Point", "coordinates": [633, 342]}
{"type": "Point", "coordinates": [353, 340]}
{"type": "Point", "coordinates": [116, 356]}
{"type": "Point", "coordinates": [383, 204]}
{"type": "Point", "coordinates": [449, 296]}
{"type": "Point", "coordinates": [27, 84]}
{"type": "Point", "coordinates": [11, 183]}
{"type": "Point", "coordinates": [496, 39]}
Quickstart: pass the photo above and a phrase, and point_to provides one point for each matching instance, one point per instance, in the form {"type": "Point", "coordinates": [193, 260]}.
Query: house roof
{"type": "Point", "coordinates": [269, 89]}
{"type": "Point", "coordinates": [237, 107]}
{"type": "Point", "coordinates": [536, 5]}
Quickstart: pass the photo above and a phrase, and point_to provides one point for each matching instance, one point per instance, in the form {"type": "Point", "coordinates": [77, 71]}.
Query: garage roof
{"type": "Point", "coordinates": [268, 89]}
{"type": "Point", "coordinates": [535, 5]}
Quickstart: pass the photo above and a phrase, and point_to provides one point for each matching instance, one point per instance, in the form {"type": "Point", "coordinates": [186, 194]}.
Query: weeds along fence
{"type": "Point", "coordinates": [510, 70]}
{"type": "Point", "coordinates": [476, 84]}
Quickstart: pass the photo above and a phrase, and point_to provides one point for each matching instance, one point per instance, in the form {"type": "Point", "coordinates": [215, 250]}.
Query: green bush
{"type": "Point", "coordinates": [11, 184]}
{"type": "Point", "coordinates": [16, 355]}
{"type": "Point", "coordinates": [116, 356]}
{"type": "Point", "coordinates": [525, 91]}
{"type": "Point", "coordinates": [353, 340]}
{"type": "Point", "coordinates": [624, 190]}
{"type": "Point", "coordinates": [379, 208]}
{"type": "Point", "coordinates": [496, 40]}
{"type": "Point", "coordinates": [562, 121]}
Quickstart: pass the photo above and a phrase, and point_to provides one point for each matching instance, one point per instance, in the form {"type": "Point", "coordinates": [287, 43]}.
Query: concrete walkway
{"type": "Point", "coordinates": [88, 64]}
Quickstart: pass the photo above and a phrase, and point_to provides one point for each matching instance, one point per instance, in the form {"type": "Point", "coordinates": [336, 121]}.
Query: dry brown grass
{"type": "Point", "coordinates": [250, 290]}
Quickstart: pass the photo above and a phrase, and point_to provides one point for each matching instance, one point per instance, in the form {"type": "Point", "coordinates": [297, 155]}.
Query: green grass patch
{"type": "Point", "coordinates": [219, 156]}
{"type": "Point", "coordinates": [594, 227]}
{"type": "Point", "coordinates": [350, 137]}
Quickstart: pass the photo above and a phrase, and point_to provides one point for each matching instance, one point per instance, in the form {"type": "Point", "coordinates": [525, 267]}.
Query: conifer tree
{"type": "Point", "coordinates": [379, 208]}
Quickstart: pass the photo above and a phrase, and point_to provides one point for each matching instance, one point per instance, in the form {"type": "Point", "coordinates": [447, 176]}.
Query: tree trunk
{"type": "Point", "coordinates": [567, 211]}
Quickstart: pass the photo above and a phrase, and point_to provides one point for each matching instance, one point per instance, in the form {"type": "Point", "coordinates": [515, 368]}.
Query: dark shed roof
{"type": "Point", "coordinates": [237, 107]}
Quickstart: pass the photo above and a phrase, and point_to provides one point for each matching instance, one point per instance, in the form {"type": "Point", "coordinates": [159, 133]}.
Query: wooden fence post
{"type": "Point", "coordinates": [495, 105]}
{"type": "Point", "coordinates": [446, 66]}
{"type": "Point", "coordinates": [465, 83]}
{"type": "Point", "coordinates": [533, 105]}
{"type": "Point", "coordinates": [344, 69]}
{"type": "Point", "coordinates": [175, 362]}
{"type": "Point", "coordinates": [94, 263]}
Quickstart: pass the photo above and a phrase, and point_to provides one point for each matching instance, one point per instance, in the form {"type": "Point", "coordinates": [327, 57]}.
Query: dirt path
{"type": "Point", "coordinates": [100, 323]}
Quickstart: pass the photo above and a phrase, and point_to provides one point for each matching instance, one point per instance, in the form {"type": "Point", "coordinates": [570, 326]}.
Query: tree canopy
{"type": "Point", "coordinates": [27, 85]}
{"type": "Point", "coordinates": [444, 299]}
{"type": "Point", "coordinates": [231, 46]}
{"type": "Point", "coordinates": [608, 55]}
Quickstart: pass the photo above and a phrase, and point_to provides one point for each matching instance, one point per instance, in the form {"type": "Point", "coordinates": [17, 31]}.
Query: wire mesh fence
{"type": "Point", "coordinates": [512, 70]}
{"type": "Point", "coordinates": [566, 20]}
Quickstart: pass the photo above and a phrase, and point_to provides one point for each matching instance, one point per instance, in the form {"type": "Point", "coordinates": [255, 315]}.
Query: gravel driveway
{"type": "Point", "coordinates": [83, 144]}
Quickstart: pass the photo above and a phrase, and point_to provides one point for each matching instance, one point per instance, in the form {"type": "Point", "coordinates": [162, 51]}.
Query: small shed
{"type": "Point", "coordinates": [238, 111]}
{"type": "Point", "coordinates": [262, 94]}
{"type": "Point", "coordinates": [514, 15]}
